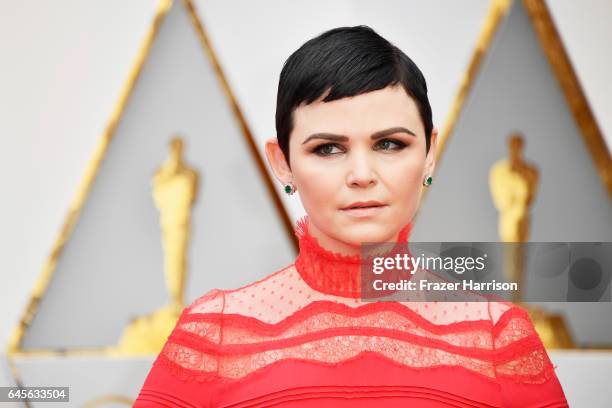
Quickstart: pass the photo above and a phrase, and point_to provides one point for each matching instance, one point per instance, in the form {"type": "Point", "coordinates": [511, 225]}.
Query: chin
{"type": "Point", "coordinates": [365, 233]}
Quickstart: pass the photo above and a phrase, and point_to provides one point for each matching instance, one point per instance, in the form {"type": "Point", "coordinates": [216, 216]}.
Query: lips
{"type": "Point", "coordinates": [364, 209]}
{"type": "Point", "coordinates": [363, 204]}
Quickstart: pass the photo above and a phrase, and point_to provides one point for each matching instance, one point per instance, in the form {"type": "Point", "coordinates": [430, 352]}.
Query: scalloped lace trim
{"type": "Point", "coordinates": [213, 346]}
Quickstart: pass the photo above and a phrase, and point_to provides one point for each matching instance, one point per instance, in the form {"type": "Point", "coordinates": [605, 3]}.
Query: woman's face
{"type": "Point", "coordinates": [362, 151]}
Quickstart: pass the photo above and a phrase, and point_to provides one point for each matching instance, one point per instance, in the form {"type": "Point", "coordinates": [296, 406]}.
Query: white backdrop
{"type": "Point", "coordinates": [64, 64]}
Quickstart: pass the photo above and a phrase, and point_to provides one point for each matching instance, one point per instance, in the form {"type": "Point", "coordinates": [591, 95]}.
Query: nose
{"type": "Point", "coordinates": [361, 173]}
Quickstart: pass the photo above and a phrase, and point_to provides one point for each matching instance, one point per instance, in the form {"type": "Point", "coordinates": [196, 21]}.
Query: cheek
{"type": "Point", "coordinates": [404, 180]}
{"type": "Point", "coordinates": [317, 185]}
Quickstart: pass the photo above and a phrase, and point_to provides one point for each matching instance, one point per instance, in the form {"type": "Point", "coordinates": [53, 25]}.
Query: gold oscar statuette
{"type": "Point", "coordinates": [513, 184]}
{"type": "Point", "coordinates": [175, 188]}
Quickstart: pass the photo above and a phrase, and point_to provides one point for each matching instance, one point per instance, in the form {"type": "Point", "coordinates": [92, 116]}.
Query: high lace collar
{"type": "Point", "coordinates": [334, 273]}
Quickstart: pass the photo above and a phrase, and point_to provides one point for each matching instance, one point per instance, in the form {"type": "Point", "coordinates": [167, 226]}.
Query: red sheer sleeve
{"type": "Point", "coordinates": [522, 367]}
{"type": "Point", "coordinates": [182, 376]}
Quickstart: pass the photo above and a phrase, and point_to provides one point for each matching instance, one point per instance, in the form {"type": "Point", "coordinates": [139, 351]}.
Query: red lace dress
{"type": "Point", "coordinates": [303, 337]}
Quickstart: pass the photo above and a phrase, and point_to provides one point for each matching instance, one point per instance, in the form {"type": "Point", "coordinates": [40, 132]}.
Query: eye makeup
{"type": "Point", "coordinates": [385, 145]}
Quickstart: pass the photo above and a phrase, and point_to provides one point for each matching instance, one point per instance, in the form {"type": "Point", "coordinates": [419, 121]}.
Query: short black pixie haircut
{"type": "Point", "coordinates": [347, 61]}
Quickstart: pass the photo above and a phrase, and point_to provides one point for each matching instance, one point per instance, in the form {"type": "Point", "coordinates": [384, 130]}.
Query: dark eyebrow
{"type": "Point", "coordinates": [391, 131]}
{"type": "Point", "coordinates": [340, 138]}
{"type": "Point", "coordinates": [326, 136]}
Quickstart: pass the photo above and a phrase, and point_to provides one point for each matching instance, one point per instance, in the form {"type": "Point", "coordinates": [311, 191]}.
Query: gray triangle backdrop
{"type": "Point", "coordinates": [516, 89]}
{"type": "Point", "coordinates": [112, 267]}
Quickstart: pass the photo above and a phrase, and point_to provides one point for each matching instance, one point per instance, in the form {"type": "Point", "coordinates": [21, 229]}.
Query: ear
{"type": "Point", "coordinates": [277, 161]}
{"type": "Point", "coordinates": [430, 161]}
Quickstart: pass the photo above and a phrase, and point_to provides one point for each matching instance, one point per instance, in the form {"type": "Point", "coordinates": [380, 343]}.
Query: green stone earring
{"type": "Point", "coordinates": [427, 181]}
{"type": "Point", "coordinates": [289, 188]}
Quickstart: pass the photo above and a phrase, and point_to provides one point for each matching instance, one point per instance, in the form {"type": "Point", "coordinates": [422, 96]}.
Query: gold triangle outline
{"type": "Point", "coordinates": [560, 63]}
{"type": "Point", "coordinates": [546, 32]}
{"type": "Point", "coordinates": [78, 201]}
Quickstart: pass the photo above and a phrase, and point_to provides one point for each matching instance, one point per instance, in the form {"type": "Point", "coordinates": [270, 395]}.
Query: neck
{"type": "Point", "coordinates": [340, 247]}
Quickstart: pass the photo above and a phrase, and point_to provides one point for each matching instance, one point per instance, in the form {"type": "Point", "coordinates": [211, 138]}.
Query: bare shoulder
{"type": "Point", "coordinates": [501, 311]}
{"type": "Point", "coordinates": [210, 302]}
{"type": "Point", "coordinates": [223, 300]}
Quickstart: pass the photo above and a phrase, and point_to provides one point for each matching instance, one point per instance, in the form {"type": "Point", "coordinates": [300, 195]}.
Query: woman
{"type": "Point", "coordinates": [355, 138]}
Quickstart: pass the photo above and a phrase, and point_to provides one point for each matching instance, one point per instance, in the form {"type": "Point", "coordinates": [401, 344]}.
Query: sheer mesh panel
{"type": "Point", "coordinates": [213, 339]}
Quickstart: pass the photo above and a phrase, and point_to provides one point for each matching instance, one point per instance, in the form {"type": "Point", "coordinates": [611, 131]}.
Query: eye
{"type": "Point", "coordinates": [389, 144]}
{"type": "Point", "coordinates": [327, 149]}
